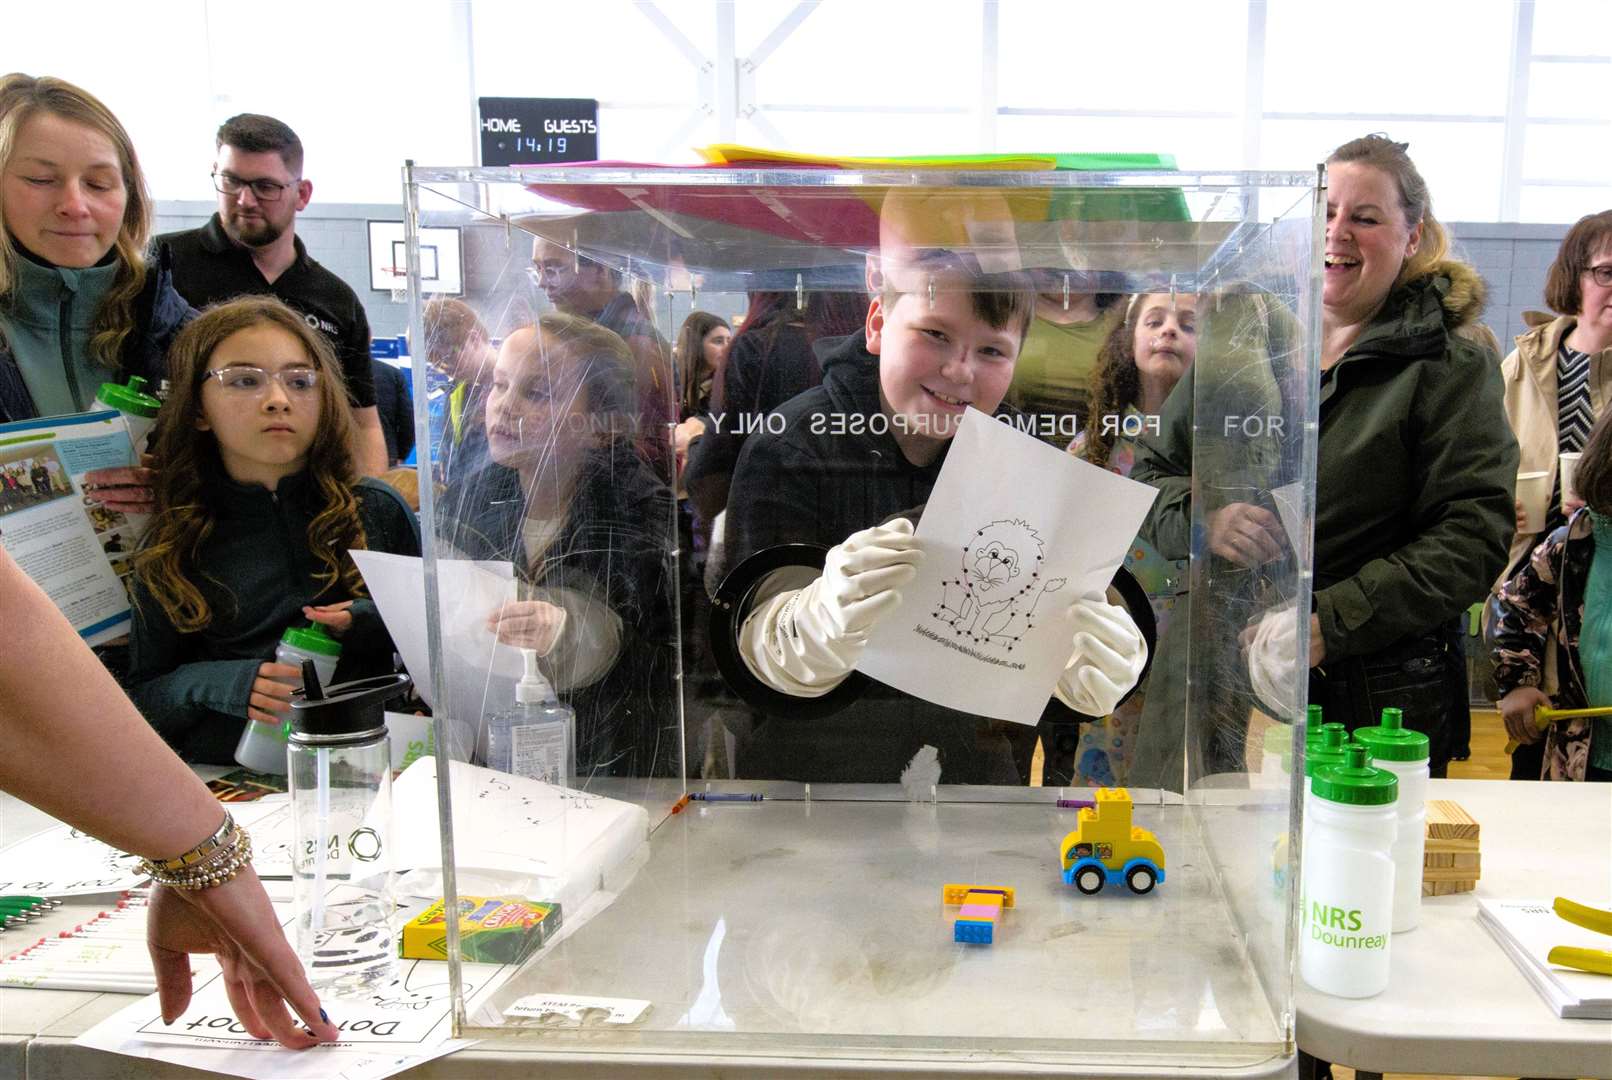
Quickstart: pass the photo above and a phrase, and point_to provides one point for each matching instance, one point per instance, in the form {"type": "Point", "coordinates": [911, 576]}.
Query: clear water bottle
{"type": "Point", "coordinates": [341, 806]}
{"type": "Point", "coordinates": [262, 746]}
{"type": "Point", "coordinates": [1347, 901]}
{"type": "Point", "coordinates": [537, 738]}
{"type": "Point", "coordinates": [1404, 753]}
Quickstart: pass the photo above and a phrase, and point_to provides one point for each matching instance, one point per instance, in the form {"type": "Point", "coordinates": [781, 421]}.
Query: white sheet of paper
{"type": "Point", "coordinates": [511, 833]}
{"type": "Point", "coordinates": [397, 1028]}
{"type": "Point", "coordinates": [1013, 533]}
{"type": "Point", "coordinates": [61, 861]}
{"type": "Point", "coordinates": [469, 591]}
{"type": "Point", "coordinates": [480, 669]}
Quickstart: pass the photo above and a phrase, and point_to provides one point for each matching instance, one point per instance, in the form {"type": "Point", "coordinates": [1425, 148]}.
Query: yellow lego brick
{"type": "Point", "coordinates": [959, 894]}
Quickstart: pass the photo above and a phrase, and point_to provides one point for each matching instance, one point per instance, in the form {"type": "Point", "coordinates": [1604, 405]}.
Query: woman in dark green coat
{"type": "Point", "coordinates": [1414, 476]}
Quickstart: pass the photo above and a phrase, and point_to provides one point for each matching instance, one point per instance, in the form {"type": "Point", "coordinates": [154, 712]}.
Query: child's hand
{"type": "Point", "coordinates": [1517, 710]}
{"type": "Point", "coordinates": [528, 624]}
{"type": "Point", "coordinates": [270, 699]}
{"type": "Point", "coordinates": [806, 641]}
{"type": "Point", "coordinates": [1109, 655]}
{"type": "Point", "coordinates": [334, 616]}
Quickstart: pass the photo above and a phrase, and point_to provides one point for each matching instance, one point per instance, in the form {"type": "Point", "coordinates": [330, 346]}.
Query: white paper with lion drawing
{"type": "Point", "coordinates": [1014, 532]}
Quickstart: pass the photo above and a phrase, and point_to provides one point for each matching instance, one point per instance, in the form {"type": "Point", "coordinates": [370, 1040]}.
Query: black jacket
{"type": "Point", "coordinates": [256, 572]}
{"type": "Point", "coordinates": [769, 364]}
{"type": "Point", "coordinates": [159, 313]}
{"type": "Point", "coordinates": [833, 471]}
{"type": "Point", "coordinates": [614, 549]}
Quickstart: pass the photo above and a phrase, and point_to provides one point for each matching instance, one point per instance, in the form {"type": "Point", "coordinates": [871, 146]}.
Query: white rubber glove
{"type": "Point", "coordinates": [806, 641]}
{"type": "Point", "coordinates": [1273, 659]}
{"type": "Point", "coordinates": [1108, 658]}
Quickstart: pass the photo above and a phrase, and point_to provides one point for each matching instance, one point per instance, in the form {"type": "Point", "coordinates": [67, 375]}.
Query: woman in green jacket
{"type": "Point", "coordinates": [1415, 465]}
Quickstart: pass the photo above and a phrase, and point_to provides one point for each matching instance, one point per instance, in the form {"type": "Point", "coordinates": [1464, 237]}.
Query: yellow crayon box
{"type": "Point", "coordinates": [493, 929]}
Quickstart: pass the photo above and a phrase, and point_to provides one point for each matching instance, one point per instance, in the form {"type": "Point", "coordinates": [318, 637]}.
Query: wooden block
{"type": "Point", "coordinates": [1448, 821]}
{"type": "Point", "coordinates": [1446, 888]}
{"type": "Point", "coordinates": [1452, 862]}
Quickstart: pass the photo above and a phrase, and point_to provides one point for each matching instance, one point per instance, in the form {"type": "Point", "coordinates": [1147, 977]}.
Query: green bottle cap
{"type": "Point", "coordinates": [1355, 782]}
{"type": "Point", "coordinates": [1278, 740]}
{"type": "Point", "coordinates": [1392, 740]}
{"type": "Point", "coordinates": [311, 639]}
{"type": "Point", "coordinates": [1329, 751]}
{"type": "Point", "coordinates": [131, 398]}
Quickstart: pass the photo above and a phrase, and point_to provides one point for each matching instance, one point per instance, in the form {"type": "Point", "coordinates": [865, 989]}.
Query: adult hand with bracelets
{"type": "Point", "coordinates": [78, 749]}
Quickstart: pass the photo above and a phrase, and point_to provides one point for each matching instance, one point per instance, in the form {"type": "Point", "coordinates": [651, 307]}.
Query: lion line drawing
{"type": "Point", "coordinates": [994, 601]}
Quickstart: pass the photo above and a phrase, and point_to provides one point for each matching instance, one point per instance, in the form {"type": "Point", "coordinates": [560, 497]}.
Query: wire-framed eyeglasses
{"type": "Point", "coordinates": [254, 381]}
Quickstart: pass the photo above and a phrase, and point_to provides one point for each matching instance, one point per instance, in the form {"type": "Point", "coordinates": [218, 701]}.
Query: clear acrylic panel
{"type": "Point", "coordinates": [758, 850]}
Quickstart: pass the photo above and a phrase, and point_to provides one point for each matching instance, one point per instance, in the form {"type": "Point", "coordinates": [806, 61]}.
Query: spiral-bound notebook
{"type": "Point", "coordinates": [1527, 930]}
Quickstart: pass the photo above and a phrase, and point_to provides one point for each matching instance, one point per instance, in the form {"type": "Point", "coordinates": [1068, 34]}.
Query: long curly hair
{"type": "Point", "coordinates": [1115, 383]}
{"type": "Point", "coordinates": [191, 472]}
{"type": "Point", "coordinates": [22, 97]}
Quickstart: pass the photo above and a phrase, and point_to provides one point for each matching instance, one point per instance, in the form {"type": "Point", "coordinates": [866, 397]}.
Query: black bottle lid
{"type": "Point", "coordinates": [349, 712]}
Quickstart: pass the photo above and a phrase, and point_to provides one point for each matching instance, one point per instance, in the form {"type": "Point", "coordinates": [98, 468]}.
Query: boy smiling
{"type": "Point", "coordinates": [855, 460]}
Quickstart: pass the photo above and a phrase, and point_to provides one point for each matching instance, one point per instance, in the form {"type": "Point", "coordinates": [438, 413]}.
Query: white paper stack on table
{"type": "Point", "coordinates": [1527, 930]}
{"type": "Point", "coordinates": [516, 836]}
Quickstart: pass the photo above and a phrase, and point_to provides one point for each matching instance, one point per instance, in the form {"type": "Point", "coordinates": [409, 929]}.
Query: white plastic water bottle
{"type": "Point", "coordinates": [262, 746]}
{"type": "Point", "coordinates": [1347, 901]}
{"type": "Point", "coordinates": [139, 411]}
{"type": "Point", "coordinates": [538, 737]}
{"type": "Point", "coordinates": [1404, 753]}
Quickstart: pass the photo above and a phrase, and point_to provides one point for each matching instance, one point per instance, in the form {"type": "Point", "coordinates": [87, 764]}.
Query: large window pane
{"type": "Point", "coordinates": [605, 49]}
{"type": "Point", "coordinates": [1179, 55]}
{"type": "Point", "coordinates": [1388, 56]}
{"type": "Point", "coordinates": [1571, 90]}
{"type": "Point", "coordinates": [1572, 27]}
{"type": "Point", "coordinates": [893, 52]}
{"type": "Point", "coordinates": [1567, 152]}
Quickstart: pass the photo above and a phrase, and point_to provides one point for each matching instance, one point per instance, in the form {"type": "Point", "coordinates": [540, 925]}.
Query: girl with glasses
{"type": "Point", "coordinates": [258, 504]}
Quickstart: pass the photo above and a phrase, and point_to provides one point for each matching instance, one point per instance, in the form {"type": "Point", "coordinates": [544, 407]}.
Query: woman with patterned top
{"type": "Point", "coordinates": [1560, 600]}
{"type": "Point", "coordinates": [1557, 382]}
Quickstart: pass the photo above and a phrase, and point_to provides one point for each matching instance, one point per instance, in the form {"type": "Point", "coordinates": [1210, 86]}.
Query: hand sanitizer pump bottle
{"type": "Point", "coordinates": [538, 737]}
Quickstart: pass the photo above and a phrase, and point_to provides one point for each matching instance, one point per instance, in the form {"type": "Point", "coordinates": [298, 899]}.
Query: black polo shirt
{"type": "Point", "coordinates": [208, 267]}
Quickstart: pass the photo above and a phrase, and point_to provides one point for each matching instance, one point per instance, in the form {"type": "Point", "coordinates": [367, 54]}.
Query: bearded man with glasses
{"type": "Point", "coordinates": [250, 246]}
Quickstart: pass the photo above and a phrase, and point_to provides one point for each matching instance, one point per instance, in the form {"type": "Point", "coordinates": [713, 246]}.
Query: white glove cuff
{"type": "Point", "coordinates": [783, 658]}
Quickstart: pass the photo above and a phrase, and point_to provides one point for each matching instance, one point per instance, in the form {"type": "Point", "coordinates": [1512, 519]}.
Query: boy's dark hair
{"type": "Point", "coordinates": [1564, 292]}
{"type": "Point", "coordinates": [1593, 478]}
{"type": "Point", "coordinates": [259, 134]}
{"type": "Point", "coordinates": [1004, 300]}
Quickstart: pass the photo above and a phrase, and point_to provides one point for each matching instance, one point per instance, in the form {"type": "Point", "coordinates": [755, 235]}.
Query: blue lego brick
{"type": "Point", "coordinates": [972, 931]}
